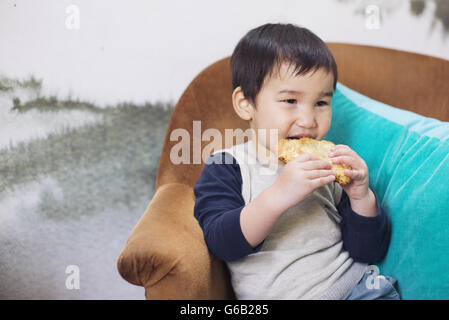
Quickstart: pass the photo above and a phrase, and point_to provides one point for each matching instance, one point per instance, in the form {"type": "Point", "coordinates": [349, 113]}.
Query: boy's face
{"type": "Point", "coordinates": [294, 105]}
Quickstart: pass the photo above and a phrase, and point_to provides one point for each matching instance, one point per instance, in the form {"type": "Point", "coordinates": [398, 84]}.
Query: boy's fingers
{"type": "Point", "coordinates": [342, 150]}
{"type": "Point", "coordinates": [353, 174]}
{"type": "Point", "coordinates": [319, 182]}
{"type": "Point", "coordinates": [346, 160]}
{"type": "Point", "coordinates": [314, 174]}
{"type": "Point", "coordinates": [316, 164]}
{"type": "Point", "coordinates": [310, 161]}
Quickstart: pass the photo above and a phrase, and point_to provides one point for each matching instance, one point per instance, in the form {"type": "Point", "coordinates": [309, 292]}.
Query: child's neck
{"type": "Point", "coordinates": [264, 155]}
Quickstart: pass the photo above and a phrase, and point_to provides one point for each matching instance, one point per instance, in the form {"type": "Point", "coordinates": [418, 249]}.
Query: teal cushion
{"type": "Point", "coordinates": [408, 159]}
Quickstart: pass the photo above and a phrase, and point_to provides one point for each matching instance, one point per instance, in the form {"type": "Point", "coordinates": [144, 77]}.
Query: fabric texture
{"type": "Point", "coordinates": [408, 160]}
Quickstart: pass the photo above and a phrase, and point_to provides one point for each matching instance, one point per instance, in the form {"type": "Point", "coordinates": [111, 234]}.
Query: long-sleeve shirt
{"type": "Point", "coordinates": [219, 203]}
{"type": "Point", "coordinates": [305, 241]}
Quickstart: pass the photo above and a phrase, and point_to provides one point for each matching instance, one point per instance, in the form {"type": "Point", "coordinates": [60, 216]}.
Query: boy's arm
{"type": "Point", "coordinates": [260, 215]}
{"type": "Point", "coordinates": [365, 236]}
{"type": "Point", "coordinates": [221, 212]}
{"type": "Point", "coordinates": [233, 230]}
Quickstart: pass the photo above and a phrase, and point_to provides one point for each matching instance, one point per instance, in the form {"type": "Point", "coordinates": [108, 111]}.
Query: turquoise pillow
{"type": "Point", "coordinates": [408, 159]}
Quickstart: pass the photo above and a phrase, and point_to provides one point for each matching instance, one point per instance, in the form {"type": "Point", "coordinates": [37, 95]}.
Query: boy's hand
{"type": "Point", "coordinates": [300, 177]}
{"type": "Point", "coordinates": [358, 188]}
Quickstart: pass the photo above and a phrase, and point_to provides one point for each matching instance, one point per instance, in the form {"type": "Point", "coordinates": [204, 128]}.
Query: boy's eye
{"type": "Point", "coordinates": [290, 101]}
{"type": "Point", "coordinates": [321, 103]}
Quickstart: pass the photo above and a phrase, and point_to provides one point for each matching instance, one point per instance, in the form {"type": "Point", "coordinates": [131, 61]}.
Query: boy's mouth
{"type": "Point", "coordinates": [299, 136]}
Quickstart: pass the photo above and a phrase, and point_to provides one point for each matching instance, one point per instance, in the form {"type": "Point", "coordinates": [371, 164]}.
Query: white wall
{"type": "Point", "coordinates": [151, 50]}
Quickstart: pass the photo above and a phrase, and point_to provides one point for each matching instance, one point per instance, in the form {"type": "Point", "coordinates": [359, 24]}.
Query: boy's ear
{"type": "Point", "coordinates": [242, 106]}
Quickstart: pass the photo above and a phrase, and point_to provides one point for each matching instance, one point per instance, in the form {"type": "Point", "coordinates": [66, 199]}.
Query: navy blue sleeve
{"type": "Point", "coordinates": [218, 205]}
{"type": "Point", "coordinates": [365, 238]}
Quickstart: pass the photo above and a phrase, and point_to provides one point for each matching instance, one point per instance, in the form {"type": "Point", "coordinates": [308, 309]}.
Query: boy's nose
{"type": "Point", "coordinates": [306, 119]}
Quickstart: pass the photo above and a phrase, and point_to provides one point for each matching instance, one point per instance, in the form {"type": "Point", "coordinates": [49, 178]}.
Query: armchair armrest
{"type": "Point", "coordinates": [166, 252]}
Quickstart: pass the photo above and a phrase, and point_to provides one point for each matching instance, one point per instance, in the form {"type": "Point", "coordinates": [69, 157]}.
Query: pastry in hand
{"type": "Point", "coordinates": [290, 148]}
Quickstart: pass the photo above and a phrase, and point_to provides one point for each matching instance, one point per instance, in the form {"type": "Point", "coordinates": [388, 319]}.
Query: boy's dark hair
{"type": "Point", "coordinates": [270, 45]}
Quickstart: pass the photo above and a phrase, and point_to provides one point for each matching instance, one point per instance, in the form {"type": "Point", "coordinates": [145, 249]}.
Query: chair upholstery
{"type": "Point", "coordinates": [166, 252]}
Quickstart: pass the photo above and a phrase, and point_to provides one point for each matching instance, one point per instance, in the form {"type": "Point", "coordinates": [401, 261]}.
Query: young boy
{"type": "Point", "coordinates": [293, 233]}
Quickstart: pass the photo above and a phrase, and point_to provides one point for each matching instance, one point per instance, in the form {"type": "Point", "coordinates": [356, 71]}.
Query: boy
{"type": "Point", "coordinates": [293, 233]}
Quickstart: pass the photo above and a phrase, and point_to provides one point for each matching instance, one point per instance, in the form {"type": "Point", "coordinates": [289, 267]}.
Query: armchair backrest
{"type": "Point", "coordinates": [410, 81]}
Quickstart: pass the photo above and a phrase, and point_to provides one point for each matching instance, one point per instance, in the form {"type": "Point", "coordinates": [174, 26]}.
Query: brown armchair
{"type": "Point", "coordinates": [166, 252]}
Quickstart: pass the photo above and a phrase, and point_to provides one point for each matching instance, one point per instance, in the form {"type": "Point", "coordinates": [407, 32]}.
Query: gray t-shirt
{"type": "Point", "coordinates": [303, 256]}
